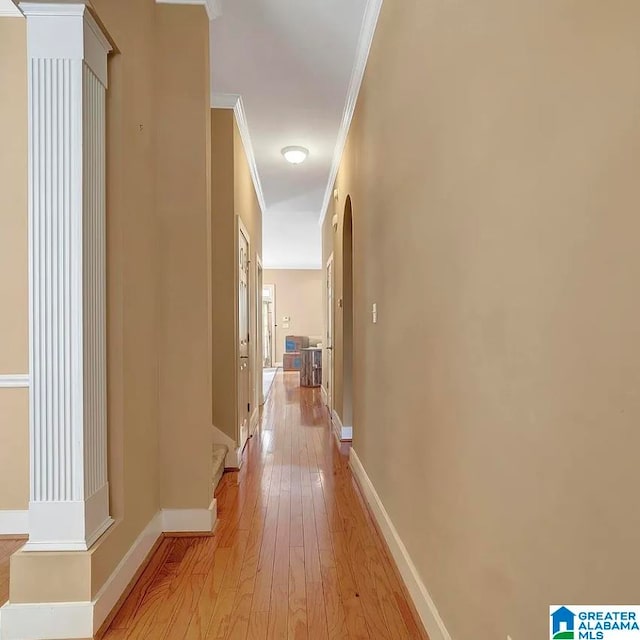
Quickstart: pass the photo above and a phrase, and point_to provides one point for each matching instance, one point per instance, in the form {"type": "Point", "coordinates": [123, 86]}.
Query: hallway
{"type": "Point", "coordinates": [295, 554]}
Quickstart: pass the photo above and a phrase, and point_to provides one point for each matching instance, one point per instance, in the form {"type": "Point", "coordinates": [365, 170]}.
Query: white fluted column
{"type": "Point", "coordinates": [67, 57]}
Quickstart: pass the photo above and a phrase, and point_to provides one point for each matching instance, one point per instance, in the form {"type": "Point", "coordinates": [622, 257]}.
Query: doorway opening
{"type": "Point", "coordinates": [347, 319]}
{"type": "Point", "coordinates": [328, 365]}
{"type": "Point", "coordinates": [244, 324]}
{"type": "Point", "coordinates": [268, 337]}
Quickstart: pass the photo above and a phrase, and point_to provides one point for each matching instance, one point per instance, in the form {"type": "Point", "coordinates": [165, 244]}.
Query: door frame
{"type": "Point", "coordinates": [242, 229]}
{"type": "Point", "coordinates": [330, 319]}
{"type": "Point", "coordinates": [272, 345]}
{"type": "Point", "coordinates": [259, 350]}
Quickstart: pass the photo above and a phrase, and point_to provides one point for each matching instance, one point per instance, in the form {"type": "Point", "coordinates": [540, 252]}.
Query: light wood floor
{"type": "Point", "coordinates": [7, 547]}
{"type": "Point", "coordinates": [295, 555]}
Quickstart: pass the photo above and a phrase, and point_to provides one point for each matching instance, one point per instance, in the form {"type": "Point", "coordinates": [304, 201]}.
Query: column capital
{"type": "Point", "coordinates": [69, 31]}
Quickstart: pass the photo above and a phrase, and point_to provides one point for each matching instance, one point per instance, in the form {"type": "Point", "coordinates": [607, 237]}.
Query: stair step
{"type": "Point", "coordinates": [218, 455]}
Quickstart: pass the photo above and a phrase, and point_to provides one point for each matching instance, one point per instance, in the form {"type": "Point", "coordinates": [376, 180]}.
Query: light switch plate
{"type": "Point", "coordinates": [374, 312]}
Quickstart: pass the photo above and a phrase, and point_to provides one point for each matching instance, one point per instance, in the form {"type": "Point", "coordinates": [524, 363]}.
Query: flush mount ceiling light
{"type": "Point", "coordinates": [295, 155]}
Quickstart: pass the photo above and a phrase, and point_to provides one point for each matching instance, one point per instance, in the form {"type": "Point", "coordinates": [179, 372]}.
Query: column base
{"type": "Point", "coordinates": [68, 526]}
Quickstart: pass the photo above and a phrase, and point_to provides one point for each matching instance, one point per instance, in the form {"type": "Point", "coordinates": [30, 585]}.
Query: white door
{"type": "Point", "coordinates": [328, 374]}
{"type": "Point", "coordinates": [244, 364]}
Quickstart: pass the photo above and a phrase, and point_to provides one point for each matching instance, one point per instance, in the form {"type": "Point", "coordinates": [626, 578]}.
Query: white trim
{"type": "Point", "coordinates": [422, 601]}
{"type": "Point", "coordinates": [49, 620]}
{"type": "Point", "coordinates": [119, 580]}
{"type": "Point", "coordinates": [14, 522]}
{"type": "Point", "coordinates": [367, 31]}
{"type": "Point", "coordinates": [234, 101]}
{"type": "Point", "coordinates": [9, 10]}
{"type": "Point", "coordinates": [42, 621]}
{"type": "Point", "coordinates": [46, 620]}
{"type": "Point", "coordinates": [342, 433]}
{"type": "Point", "coordinates": [189, 520]}
{"type": "Point", "coordinates": [67, 71]}
{"type": "Point", "coordinates": [212, 7]}
{"type": "Point", "coordinates": [233, 459]}
{"type": "Point", "coordinates": [14, 380]}
{"type": "Point", "coordinates": [224, 100]}
{"type": "Point", "coordinates": [325, 397]}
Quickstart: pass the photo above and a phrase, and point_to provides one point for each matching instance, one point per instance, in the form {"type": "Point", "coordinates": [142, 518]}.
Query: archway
{"type": "Point", "coordinates": [347, 321]}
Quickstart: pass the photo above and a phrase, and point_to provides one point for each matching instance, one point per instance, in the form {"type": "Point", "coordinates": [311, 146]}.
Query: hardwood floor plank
{"type": "Point", "coordinates": [201, 618]}
{"type": "Point", "coordinates": [297, 614]}
{"type": "Point", "coordinates": [296, 555]}
{"type": "Point", "coordinates": [316, 612]}
{"type": "Point", "coordinates": [129, 607]}
{"type": "Point", "coordinates": [258, 625]}
{"type": "Point", "coordinates": [8, 546]}
{"type": "Point", "coordinates": [278, 613]}
{"type": "Point", "coordinates": [221, 620]}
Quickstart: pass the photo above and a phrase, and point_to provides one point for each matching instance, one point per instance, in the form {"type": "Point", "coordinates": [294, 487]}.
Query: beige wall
{"type": "Point", "coordinates": [132, 280]}
{"type": "Point", "coordinates": [14, 449]}
{"type": "Point", "coordinates": [233, 195]}
{"type": "Point", "coordinates": [493, 170]}
{"type": "Point", "coordinates": [223, 271]}
{"type": "Point", "coordinates": [298, 295]}
{"type": "Point", "coordinates": [14, 306]}
{"type": "Point", "coordinates": [248, 208]}
{"type": "Point", "coordinates": [143, 194]}
{"type": "Point", "coordinates": [182, 195]}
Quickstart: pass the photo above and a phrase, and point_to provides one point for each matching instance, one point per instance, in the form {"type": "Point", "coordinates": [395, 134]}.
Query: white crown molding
{"type": "Point", "coordinates": [13, 381]}
{"type": "Point", "coordinates": [224, 100]}
{"type": "Point", "coordinates": [212, 7]}
{"type": "Point", "coordinates": [367, 31]}
{"type": "Point", "coordinates": [421, 598]}
{"type": "Point", "coordinates": [9, 10]}
{"type": "Point", "coordinates": [14, 522]}
{"type": "Point", "coordinates": [234, 101]}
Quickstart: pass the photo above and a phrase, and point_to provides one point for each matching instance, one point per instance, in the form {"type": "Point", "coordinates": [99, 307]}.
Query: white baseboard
{"type": "Point", "coordinates": [233, 459]}
{"type": "Point", "coordinates": [422, 601]}
{"type": "Point", "coordinates": [52, 620]}
{"type": "Point", "coordinates": [119, 580]}
{"type": "Point", "coordinates": [323, 393]}
{"type": "Point", "coordinates": [46, 621]}
{"type": "Point", "coordinates": [187, 520]}
{"type": "Point", "coordinates": [342, 433]}
{"type": "Point", "coordinates": [14, 522]}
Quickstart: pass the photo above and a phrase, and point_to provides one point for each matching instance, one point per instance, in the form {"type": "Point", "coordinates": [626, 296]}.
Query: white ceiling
{"type": "Point", "coordinates": [292, 62]}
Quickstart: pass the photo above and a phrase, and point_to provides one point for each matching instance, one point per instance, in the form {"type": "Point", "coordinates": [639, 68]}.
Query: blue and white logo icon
{"type": "Point", "coordinates": [563, 624]}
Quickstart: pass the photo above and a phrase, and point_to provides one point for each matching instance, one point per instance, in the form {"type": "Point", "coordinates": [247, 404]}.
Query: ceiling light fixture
{"type": "Point", "coordinates": [295, 155]}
